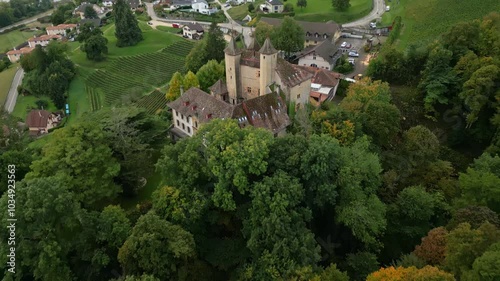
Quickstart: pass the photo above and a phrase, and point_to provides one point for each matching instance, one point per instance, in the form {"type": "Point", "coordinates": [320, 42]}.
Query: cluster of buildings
{"type": "Point", "coordinates": [57, 32]}
{"type": "Point", "coordinates": [258, 87]}
{"type": "Point", "coordinates": [199, 6]}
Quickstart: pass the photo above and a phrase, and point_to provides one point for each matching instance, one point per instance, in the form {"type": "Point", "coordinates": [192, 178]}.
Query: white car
{"type": "Point", "coordinates": [353, 54]}
{"type": "Point", "coordinates": [352, 61]}
{"type": "Point", "coordinates": [387, 8]}
{"type": "Point", "coordinates": [373, 25]}
{"type": "Point", "coordinates": [345, 45]}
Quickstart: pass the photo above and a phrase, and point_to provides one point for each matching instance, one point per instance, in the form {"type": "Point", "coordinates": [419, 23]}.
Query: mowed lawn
{"type": "Point", "coordinates": [6, 78]}
{"type": "Point", "coordinates": [425, 20]}
{"type": "Point", "coordinates": [25, 103]}
{"type": "Point", "coordinates": [323, 11]}
{"type": "Point", "coordinates": [11, 39]}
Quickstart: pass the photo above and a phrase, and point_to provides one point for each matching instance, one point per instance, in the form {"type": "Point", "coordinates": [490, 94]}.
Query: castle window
{"type": "Point", "coordinates": [249, 89]}
{"type": "Point", "coordinates": [178, 124]}
{"type": "Point", "coordinates": [177, 113]}
{"type": "Point", "coordinates": [196, 124]}
{"type": "Point", "coordinates": [298, 96]}
{"type": "Point", "coordinates": [315, 42]}
{"type": "Point", "coordinates": [258, 73]}
{"type": "Point", "coordinates": [314, 57]}
{"type": "Point", "coordinates": [264, 57]}
{"type": "Point", "coordinates": [189, 130]}
{"type": "Point", "coordinates": [183, 127]}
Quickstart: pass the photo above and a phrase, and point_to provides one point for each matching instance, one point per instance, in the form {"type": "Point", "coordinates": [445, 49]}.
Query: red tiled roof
{"type": "Point", "coordinates": [61, 26]}
{"type": "Point", "coordinates": [21, 51]}
{"type": "Point", "coordinates": [45, 37]}
{"type": "Point", "coordinates": [38, 118]}
{"type": "Point", "coordinates": [322, 76]}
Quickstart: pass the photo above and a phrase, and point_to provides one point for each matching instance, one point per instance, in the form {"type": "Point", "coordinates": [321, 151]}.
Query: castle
{"type": "Point", "coordinates": [259, 85]}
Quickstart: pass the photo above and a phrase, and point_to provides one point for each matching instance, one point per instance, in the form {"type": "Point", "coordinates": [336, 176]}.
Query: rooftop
{"type": "Point", "coordinates": [291, 74]}
{"type": "Point", "coordinates": [328, 28]}
{"type": "Point", "coordinates": [219, 88]}
{"type": "Point", "coordinates": [38, 119]}
{"type": "Point", "coordinates": [61, 26]}
{"type": "Point", "coordinates": [194, 26]}
{"type": "Point", "coordinates": [45, 37]}
{"type": "Point", "coordinates": [21, 51]}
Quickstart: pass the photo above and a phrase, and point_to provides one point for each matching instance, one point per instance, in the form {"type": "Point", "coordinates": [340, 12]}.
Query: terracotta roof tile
{"type": "Point", "coordinates": [38, 118]}
{"type": "Point", "coordinates": [21, 51]}
{"type": "Point", "coordinates": [45, 37]}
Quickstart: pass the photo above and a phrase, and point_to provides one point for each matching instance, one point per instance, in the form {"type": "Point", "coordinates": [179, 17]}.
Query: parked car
{"type": "Point", "coordinates": [345, 45]}
{"type": "Point", "coordinates": [373, 25]}
{"type": "Point", "coordinates": [227, 5]}
{"type": "Point", "coordinates": [387, 8]}
{"type": "Point", "coordinates": [150, 23]}
{"type": "Point", "coordinates": [352, 61]}
{"type": "Point", "coordinates": [176, 25]}
{"type": "Point", "coordinates": [353, 54]}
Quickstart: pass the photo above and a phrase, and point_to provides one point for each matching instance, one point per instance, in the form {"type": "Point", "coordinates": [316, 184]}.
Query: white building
{"type": "Point", "coordinates": [320, 56]}
{"type": "Point", "coordinates": [60, 29]}
{"type": "Point", "coordinates": [15, 55]}
{"type": "Point", "coordinates": [192, 31]}
{"type": "Point", "coordinates": [43, 40]}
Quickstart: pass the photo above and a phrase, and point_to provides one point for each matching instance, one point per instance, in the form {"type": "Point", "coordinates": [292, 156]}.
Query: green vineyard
{"type": "Point", "coordinates": [135, 75]}
{"type": "Point", "coordinates": [154, 102]}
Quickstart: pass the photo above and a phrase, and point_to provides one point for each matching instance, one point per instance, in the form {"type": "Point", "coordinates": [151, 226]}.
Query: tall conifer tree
{"type": "Point", "coordinates": [127, 30]}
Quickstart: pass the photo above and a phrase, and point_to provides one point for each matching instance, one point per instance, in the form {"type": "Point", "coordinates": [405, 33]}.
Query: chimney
{"type": "Point", "coordinates": [182, 90]}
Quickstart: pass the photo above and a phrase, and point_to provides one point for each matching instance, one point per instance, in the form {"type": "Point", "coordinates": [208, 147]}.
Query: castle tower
{"type": "Point", "coordinates": [233, 76]}
{"type": "Point", "coordinates": [268, 58]}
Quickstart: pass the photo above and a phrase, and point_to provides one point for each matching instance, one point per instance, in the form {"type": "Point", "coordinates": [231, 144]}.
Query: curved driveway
{"type": "Point", "coordinates": [377, 12]}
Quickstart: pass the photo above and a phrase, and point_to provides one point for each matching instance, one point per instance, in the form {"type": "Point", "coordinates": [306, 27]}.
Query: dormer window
{"type": "Point", "coordinates": [186, 103]}
{"type": "Point", "coordinates": [317, 35]}
{"type": "Point", "coordinates": [209, 115]}
{"type": "Point", "coordinates": [325, 36]}
{"type": "Point", "coordinates": [193, 107]}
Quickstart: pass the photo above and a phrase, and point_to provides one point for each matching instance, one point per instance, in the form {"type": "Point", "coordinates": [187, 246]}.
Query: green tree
{"type": "Point", "coordinates": [196, 57]}
{"type": "Point", "coordinates": [438, 78]}
{"type": "Point", "coordinates": [332, 273]}
{"type": "Point", "coordinates": [421, 146]}
{"type": "Point", "coordinates": [234, 156]}
{"type": "Point", "coordinates": [360, 264]}
{"type": "Point", "coordinates": [479, 185]}
{"type": "Point", "coordinates": [341, 5]}
{"type": "Point", "coordinates": [251, 7]}
{"type": "Point", "coordinates": [90, 13]}
{"type": "Point", "coordinates": [289, 36]}
{"type": "Point", "coordinates": [47, 214]}
{"type": "Point", "coordinates": [86, 31]}
{"type": "Point", "coordinates": [127, 29]}
{"type": "Point", "coordinates": [95, 47]}
{"type": "Point", "coordinates": [144, 277]}
{"type": "Point", "coordinates": [215, 43]}
{"type": "Point", "coordinates": [381, 122]}
{"type": "Point", "coordinates": [210, 73]}
{"type": "Point", "coordinates": [302, 3]}
{"type": "Point", "coordinates": [190, 80]}
{"type": "Point", "coordinates": [79, 155]}
{"type": "Point", "coordinates": [464, 245]}
{"type": "Point", "coordinates": [277, 224]}
{"type": "Point", "coordinates": [156, 247]}
{"type": "Point", "coordinates": [262, 31]}
{"type": "Point", "coordinates": [174, 87]}
{"type": "Point", "coordinates": [485, 268]}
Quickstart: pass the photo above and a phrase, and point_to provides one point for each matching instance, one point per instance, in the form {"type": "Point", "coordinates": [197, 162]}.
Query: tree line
{"type": "Point", "coordinates": [17, 10]}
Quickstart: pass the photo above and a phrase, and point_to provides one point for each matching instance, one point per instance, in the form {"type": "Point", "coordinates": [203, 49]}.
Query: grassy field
{"type": "Point", "coordinates": [168, 29]}
{"type": "Point", "coordinates": [11, 39]}
{"type": "Point", "coordinates": [6, 78]}
{"type": "Point", "coordinates": [424, 20]}
{"type": "Point", "coordinates": [25, 103]}
{"type": "Point", "coordinates": [322, 11]}
{"type": "Point", "coordinates": [316, 10]}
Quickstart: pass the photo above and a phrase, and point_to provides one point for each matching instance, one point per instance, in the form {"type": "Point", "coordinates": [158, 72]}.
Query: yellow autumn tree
{"type": "Point", "coordinates": [410, 274]}
{"type": "Point", "coordinates": [342, 131]}
{"type": "Point", "coordinates": [174, 87]}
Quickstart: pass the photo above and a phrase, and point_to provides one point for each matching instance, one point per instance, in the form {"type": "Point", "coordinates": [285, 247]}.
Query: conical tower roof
{"type": "Point", "coordinates": [267, 48]}
{"type": "Point", "coordinates": [231, 48]}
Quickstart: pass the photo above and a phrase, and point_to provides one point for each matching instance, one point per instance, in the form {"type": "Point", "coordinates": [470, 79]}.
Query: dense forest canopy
{"type": "Point", "coordinates": [378, 187]}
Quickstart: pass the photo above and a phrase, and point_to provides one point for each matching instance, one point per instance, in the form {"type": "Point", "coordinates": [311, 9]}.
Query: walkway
{"type": "Point", "coordinates": [377, 12]}
{"type": "Point", "coordinates": [10, 103]}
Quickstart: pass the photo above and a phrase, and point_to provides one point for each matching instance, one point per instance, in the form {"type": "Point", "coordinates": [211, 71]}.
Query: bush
{"type": "Point", "coordinates": [343, 65]}
{"type": "Point", "coordinates": [251, 7]}
{"type": "Point", "coordinates": [41, 104]}
{"type": "Point", "coordinates": [396, 30]}
{"type": "Point", "coordinates": [288, 8]}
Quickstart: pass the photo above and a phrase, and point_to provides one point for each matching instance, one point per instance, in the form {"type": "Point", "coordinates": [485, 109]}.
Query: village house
{"type": "Point", "coordinates": [272, 6]}
{"type": "Point", "coordinates": [43, 40]}
{"type": "Point", "coordinates": [15, 55]}
{"type": "Point", "coordinates": [192, 31]}
{"type": "Point", "coordinates": [80, 10]}
{"type": "Point", "coordinates": [108, 3]}
{"type": "Point", "coordinates": [315, 32]}
{"type": "Point", "coordinates": [41, 121]}
{"type": "Point", "coordinates": [324, 85]}
{"type": "Point", "coordinates": [320, 56]}
{"type": "Point", "coordinates": [60, 29]}
{"type": "Point", "coordinates": [258, 86]}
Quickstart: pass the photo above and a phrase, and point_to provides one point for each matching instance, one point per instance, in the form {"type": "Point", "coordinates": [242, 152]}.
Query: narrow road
{"type": "Point", "coordinates": [377, 12]}
{"type": "Point", "coordinates": [26, 21]}
{"type": "Point", "coordinates": [10, 103]}
{"type": "Point", "coordinates": [231, 25]}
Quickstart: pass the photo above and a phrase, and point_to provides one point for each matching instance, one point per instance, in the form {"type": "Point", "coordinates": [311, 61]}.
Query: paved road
{"type": "Point", "coordinates": [28, 20]}
{"type": "Point", "coordinates": [377, 12]}
{"type": "Point", "coordinates": [10, 103]}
